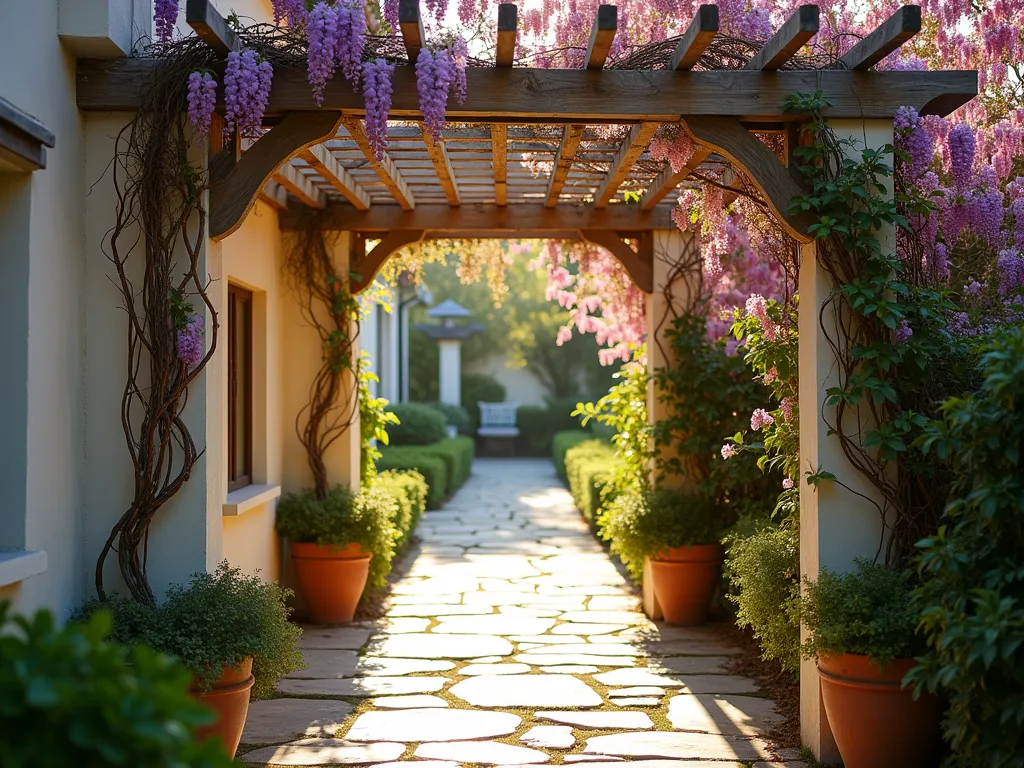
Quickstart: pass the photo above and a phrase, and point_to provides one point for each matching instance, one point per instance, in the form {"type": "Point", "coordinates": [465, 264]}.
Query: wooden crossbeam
{"type": "Point", "coordinates": [508, 22]}
{"type": "Point", "coordinates": [367, 268]}
{"type": "Point", "coordinates": [410, 22]}
{"type": "Point", "coordinates": [632, 147]}
{"type": "Point", "coordinates": [696, 39]}
{"type": "Point", "coordinates": [892, 33]}
{"type": "Point", "coordinates": [443, 169]}
{"type": "Point", "coordinates": [641, 269]}
{"type": "Point", "coordinates": [601, 36]}
{"type": "Point", "coordinates": [298, 184]}
{"type": "Point", "coordinates": [320, 158]}
{"type": "Point", "coordinates": [519, 95]}
{"type": "Point", "coordinates": [211, 27]}
{"type": "Point", "coordinates": [572, 135]}
{"type": "Point", "coordinates": [499, 162]}
{"type": "Point", "coordinates": [493, 219]}
{"type": "Point", "coordinates": [385, 167]}
{"type": "Point", "coordinates": [790, 38]}
{"type": "Point", "coordinates": [668, 180]}
{"type": "Point", "coordinates": [274, 195]}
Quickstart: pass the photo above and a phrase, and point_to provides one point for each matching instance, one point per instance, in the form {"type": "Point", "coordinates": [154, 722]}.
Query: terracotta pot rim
{"type": "Point", "coordinates": [228, 689]}
{"type": "Point", "coordinates": [888, 678]}
{"type": "Point", "coordinates": [310, 550]}
{"type": "Point", "coordinates": [689, 553]}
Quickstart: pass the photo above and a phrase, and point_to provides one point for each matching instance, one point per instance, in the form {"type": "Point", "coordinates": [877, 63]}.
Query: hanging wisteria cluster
{"type": "Point", "coordinates": [436, 73]}
{"type": "Point", "coordinates": [377, 90]}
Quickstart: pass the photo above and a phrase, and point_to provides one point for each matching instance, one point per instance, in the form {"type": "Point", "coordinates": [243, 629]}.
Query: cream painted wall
{"type": "Point", "coordinates": [251, 259]}
{"type": "Point", "coordinates": [521, 386]}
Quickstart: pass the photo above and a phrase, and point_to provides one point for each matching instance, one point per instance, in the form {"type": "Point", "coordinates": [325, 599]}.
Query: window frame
{"type": "Point", "coordinates": [237, 293]}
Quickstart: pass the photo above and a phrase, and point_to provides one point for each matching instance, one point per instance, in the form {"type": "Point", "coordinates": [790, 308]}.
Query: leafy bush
{"type": "Point", "coordinates": [418, 424]}
{"type": "Point", "coordinates": [454, 416]}
{"type": "Point", "coordinates": [458, 453]}
{"type": "Point", "coordinates": [409, 491]}
{"type": "Point", "coordinates": [70, 697]}
{"type": "Point", "coordinates": [640, 524]}
{"type": "Point", "coordinates": [591, 468]}
{"type": "Point", "coordinates": [340, 519]}
{"type": "Point", "coordinates": [430, 466]}
{"type": "Point", "coordinates": [867, 613]}
{"type": "Point", "coordinates": [764, 567]}
{"type": "Point", "coordinates": [374, 419]}
{"type": "Point", "coordinates": [561, 443]}
{"type": "Point", "coordinates": [219, 619]}
{"type": "Point", "coordinates": [971, 601]}
{"type": "Point", "coordinates": [539, 424]}
{"type": "Point", "coordinates": [477, 387]}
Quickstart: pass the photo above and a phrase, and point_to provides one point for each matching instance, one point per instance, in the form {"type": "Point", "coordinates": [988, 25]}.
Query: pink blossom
{"type": "Point", "coordinates": [760, 418]}
{"type": "Point", "coordinates": [786, 406]}
{"type": "Point", "coordinates": [787, 484]}
{"type": "Point", "coordinates": [728, 451]}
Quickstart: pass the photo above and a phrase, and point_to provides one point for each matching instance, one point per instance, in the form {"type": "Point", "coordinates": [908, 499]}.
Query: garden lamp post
{"type": "Point", "coordinates": [449, 335]}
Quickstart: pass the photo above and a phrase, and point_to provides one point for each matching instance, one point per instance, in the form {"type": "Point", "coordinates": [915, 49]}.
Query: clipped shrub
{"type": "Point", "coordinates": [409, 491]}
{"type": "Point", "coordinates": [867, 612]}
{"type": "Point", "coordinates": [539, 424]}
{"type": "Point", "coordinates": [477, 387]}
{"type": "Point", "coordinates": [590, 469]}
{"type": "Point", "coordinates": [431, 466]}
{"type": "Point", "coordinates": [971, 600]}
{"type": "Point", "coordinates": [218, 619]}
{"type": "Point", "coordinates": [71, 697]}
{"type": "Point", "coordinates": [640, 524]}
{"type": "Point", "coordinates": [419, 424]}
{"type": "Point", "coordinates": [455, 416]}
{"type": "Point", "coordinates": [343, 518]}
{"type": "Point", "coordinates": [561, 442]}
{"type": "Point", "coordinates": [764, 569]}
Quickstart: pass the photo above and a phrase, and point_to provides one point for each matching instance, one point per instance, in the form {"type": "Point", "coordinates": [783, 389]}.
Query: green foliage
{"type": "Point", "coordinates": [590, 469]}
{"type": "Point", "coordinates": [640, 524]}
{"type": "Point", "coordinates": [218, 619]}
{"type": "Point", "coordinates": [418, 424]}
{"type": "Point", "coordinates": [374, 418]}
{"type": "Point", "coordinates": [477, 388]}
{"type": "Point", "coordinates": [70, 697]}
{"type": "Point", "coordinates": [454, 415]}
{"type": "Point", "coordinates": [971, 601]}
{"type": "Point", "coordinates": [430, 466]}
{"type": "Point", "coordinates": [867, 613]}
{"type": "Point", "coordinates": [561, 443]}
{"type": "Point", "coordinates": [409, 490]}
{"type": "Point", "coordinates": [538, 425]}
{"type": "Point", "coordinates": [764, 568]}
{"type": "Point", "coordinates": [342, 518]}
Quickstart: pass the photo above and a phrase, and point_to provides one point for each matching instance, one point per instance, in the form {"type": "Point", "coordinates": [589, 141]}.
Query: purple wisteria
{"type": "Point", "coordinates": [377, 88]}
{"type": "Point", "coordinates": [336, 34]}
{"type": "Point", "coordinates": [247, 81]}
{"type": "Point", "coordinates": [165, 14]}
{"type": "Point", "coordinates": [961, 154]}
{"type": "Point", "coordinates": [292, 11]}
{"type": "Point", "coordinates": [190, 342]}
{"type": "Point", "coordinates": [912, 138]}
{"type": "Point", "coordinates": [434, 75]}
{"type": "Point", "coordinates": [460, 55]}
{"type": "Point", "coordinates": [202, 100]}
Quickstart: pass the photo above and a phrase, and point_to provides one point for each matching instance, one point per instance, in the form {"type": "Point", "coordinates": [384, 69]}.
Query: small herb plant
{"type": "Point", "coordinates": [70, 697]}
{"type": "Point", "coordinates": [218, 619]}
{"type": "Point", "coordinates": [640, 524]}
{"type": "Point", "coordinates": [867, 612]}
{"type": "Point", "coordinates": [342, 518]}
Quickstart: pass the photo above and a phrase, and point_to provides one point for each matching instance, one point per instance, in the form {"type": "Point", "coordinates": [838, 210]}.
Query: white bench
{"type": "Point", "coordinates": [498, 419]}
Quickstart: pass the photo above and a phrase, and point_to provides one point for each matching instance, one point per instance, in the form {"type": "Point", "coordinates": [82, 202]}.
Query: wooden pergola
{"type": "Point", "coordinates": [549, 153]}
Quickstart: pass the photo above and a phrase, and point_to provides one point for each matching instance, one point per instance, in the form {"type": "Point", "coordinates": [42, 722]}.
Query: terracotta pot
{"type": "Point", "coordinates": [685, 580]}
{"type": "Point", "coordinates": [331, 579]}
{"type": "Point", "coordinates": [229, 698]}
{"type": "Point", "coordinates": [875, 721]}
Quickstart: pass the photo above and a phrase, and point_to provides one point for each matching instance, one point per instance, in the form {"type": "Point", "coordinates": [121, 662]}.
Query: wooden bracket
{"type": "Point", "coordinates": [233, 195]}
{"type": "Point", "coordinates": [773, 180]}
{"type": "Point", "coordinates": [639, 265]}
{"type": "Point", "coordinates": [211, 27]}
{"type": "Point", "coordinates": [366, 269]}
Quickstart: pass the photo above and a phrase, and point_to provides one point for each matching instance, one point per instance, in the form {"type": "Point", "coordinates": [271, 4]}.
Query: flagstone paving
{"type": "Point", "coordinates": [511, 640]}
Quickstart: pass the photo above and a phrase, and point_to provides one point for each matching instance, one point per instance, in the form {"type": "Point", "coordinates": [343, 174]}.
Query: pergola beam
{"type": "Point", "coordinates": [410, 22]}
{"type": "Point", "coordinates": [629, 152]}
{"type": "Point", "coordinates": [293, 180]}
{"type": "Point", "coordinates": [668, 179]}
{"type": "Point", "coordinates": [365, 270]}
{"type": "Point", "coordinates": [211, 27]}
{"type": "Point", "coordinates": [321, 159]}
{"type": "Point", "coordinates": [496, 220]}
{"type": "Point", "coordinates": [602, 34]}
{"type": "Point", "coordinates": [525, 95]}
{"type": "Point", "coordinates": [892, 33]}
{"type": "Point", "coordinates": [572, 135]}
{"type": "Point", "coordinates": [385, 167]}
{"type": "Point", "coordinates": [508, 22]}
{"type": "Point", "coordinates": [443, 168]}
{"type": "Point", "coordinates": [274, 195]}
{"type": "Point", "coordinates": [696, 39]}
{"type": "Point", "coordinates": [790, 38]}
{"type": "Point", "coordinates": [499, 162]}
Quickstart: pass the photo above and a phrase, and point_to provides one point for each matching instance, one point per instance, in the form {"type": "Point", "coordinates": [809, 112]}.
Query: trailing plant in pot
{"type": "Point", "coordinates": [230, 630]}
{"type": "Point", "coordinates": [340, 544]}
{"type": "Point", "coordinates": [862, 632]}
{"type": "Point", "coordinates": [680, 534]}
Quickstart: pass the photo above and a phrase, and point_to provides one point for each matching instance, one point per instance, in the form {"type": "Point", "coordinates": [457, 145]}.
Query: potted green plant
{"type": "Point", "coordinates": [339, 545]}
{"type": "Point", "coordinates": [679, 533]}
{"type": "Point", "coordinates": [230, 630]}
{"type": "Point", "coordinates": [862, 632]}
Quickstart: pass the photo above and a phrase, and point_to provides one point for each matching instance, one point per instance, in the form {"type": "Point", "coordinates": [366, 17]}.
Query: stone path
{"type": "Point", "coordinates": [512, 640]}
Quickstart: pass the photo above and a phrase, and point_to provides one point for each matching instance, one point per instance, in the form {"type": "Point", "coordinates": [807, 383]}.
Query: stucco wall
{"type": "Point", "coordinates": [521, 385]}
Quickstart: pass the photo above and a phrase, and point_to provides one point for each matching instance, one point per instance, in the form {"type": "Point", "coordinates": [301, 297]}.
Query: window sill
{"type": "Point", "coordinates": [19, 564]}
{"type": "Point", "coordinates": [251, 496]}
